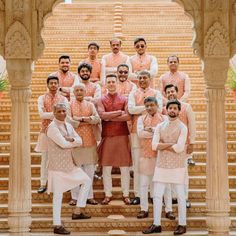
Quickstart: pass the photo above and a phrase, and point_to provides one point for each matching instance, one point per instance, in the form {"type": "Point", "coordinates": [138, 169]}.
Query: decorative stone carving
{"type": "Point", "coordinates": [193, 9]}
{"type": "Point", "coordinates": [18, 9]}
{"type": "Point", "coordinates": [214, 4]}
{"type": "Point", "coordinates": [233, 29]}
{"type": "Point", "coordinates": [18, 42]}
{"type": "Point", "coordinates": [217, 41]}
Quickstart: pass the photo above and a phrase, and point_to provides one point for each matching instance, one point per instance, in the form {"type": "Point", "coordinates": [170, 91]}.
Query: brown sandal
{"type": "Point", "coordinates": [73, 202]}
{"type": "Point", "coordinates": [126, 200]}
{"type": "Point", "coordinates": [92, 201]}
{"type": "Point", "coordinates": [106, 200]}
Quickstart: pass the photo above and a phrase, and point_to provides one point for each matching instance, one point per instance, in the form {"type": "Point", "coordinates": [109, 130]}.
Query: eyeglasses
{"type": "Point", "coordinates": [123, 72]}
{"type": "Point", "coordinates": [140, 46]}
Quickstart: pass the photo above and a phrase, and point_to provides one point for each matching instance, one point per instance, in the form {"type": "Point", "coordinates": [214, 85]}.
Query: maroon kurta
{"type": "Point", "coordinates": [114, 149]}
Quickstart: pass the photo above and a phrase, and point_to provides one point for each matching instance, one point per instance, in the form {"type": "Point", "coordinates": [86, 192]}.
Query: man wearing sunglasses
{"type": "Point", "coordinates": [142, 61]}
{"type": "Point", "coordinates": [124, 86]}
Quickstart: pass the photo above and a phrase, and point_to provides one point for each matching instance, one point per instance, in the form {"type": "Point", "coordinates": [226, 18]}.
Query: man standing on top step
{"type": "Point", "coordinates": [93, 49]}
{"type": "Point", "coordinates": [93, 90]}
{"type": "Point", "coordinates": [114, 149]}
{"type": "Point", "coordinates": [63, 175]}
{"type": "Point", "coordinates": [111, 60]}
{"type": "Point", "coordinates": [45, 108]}
{"type": "Point", "coordinates": [187, 116]}
{"type": "Point", "coordinates": [136, 108]}
{"type": "Point", "coordinates": [175, 77]}
{"type": "Point", "coordinates": [169, 141]}
{"type": "Point", "coordinates": [66, 79]}
{"type": "Point", "coordinates": [142, 61]}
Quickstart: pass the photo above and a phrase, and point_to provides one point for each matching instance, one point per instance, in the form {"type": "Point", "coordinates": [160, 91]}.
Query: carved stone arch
{"type": "Point", "coordinates": [17, 42]}
{"type": "Point", "coordinates": [43, 10]}
{"type": "Point", "coordinates": [216, 41]}
{"type": "Point", "coordinates": [192, 8]}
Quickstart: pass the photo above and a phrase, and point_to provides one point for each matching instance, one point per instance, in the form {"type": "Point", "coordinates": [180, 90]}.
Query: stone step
{"type": "Point", "coordinates": [196, 180]}
{"type": "Point", "coordinates": [115, 207]}
{"type": "Point", "coordinates": [199, 157]}
{"type": "Point", "coordinates": [195, 195]}
{"type": "Point", "coordinates": [101, 224]}
{"type": "Point", "coordinates": [200, 136]}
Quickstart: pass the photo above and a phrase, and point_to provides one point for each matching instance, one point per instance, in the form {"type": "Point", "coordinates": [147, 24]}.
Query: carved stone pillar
{"type": "Point", "coordinates": [217, 183]}
{"type": "Point", "coordinates": [118, 19]}
{"type": "Point", "coordinates": [19, 197]}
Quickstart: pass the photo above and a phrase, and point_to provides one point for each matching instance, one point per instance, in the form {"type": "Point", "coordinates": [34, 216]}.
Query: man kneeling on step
{"type": "Point", "coordinates": [63, 175]}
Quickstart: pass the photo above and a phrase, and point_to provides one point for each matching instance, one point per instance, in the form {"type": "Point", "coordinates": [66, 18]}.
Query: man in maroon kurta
{"type": "Point", "coordinates": [114, 149]}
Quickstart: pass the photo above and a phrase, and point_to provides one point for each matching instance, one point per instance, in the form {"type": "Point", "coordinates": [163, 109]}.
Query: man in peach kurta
{"type": "Point", "coordinates": [175, 77]}
{"type": "Point", "coordinates": [66, 78]}
{"type": "Point", "coordinates": [187, 116]}
{"type": "Point", "coordinates": [63, 175]}
{"type": "Point", "coordinates": [85, 119]}
{"type": "Point", "coordinates": [145, 129]}
{"type": "Point", "coordinates": [93, 49]}
{"type": "Point", "coordinates": [169, 141]}
{"type": "Point", "coordinates": [93, 90]}
{"type": "Point", "coordinates": [142, 61]}
{"type": "Point", "coordinates": [114, 149]}
{"type": "Point", "coordinates": [111, 60]}
{"type": "Point", "coordinates": [45, 109]}
{"type": "Point", "coordinates": [136, 108]}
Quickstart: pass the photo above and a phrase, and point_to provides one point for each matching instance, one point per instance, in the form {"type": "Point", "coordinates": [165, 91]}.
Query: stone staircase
{"type": "Point", "coordinates": [167, 31]}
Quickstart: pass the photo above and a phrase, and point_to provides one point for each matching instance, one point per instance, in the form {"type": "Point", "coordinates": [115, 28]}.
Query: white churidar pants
{"type": "Point", "coordinates": [44, 170]}
{"type": "Point", "coordinates": [89, 170]}
{"type": "Point", "coordinates": [107, 180]}
{"type": "Point", "coordinates": [145, 183]}
{"type": "Point", "coordinates": [159, 189]}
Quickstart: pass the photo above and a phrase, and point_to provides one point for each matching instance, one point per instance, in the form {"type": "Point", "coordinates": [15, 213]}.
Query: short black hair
{"type": "Point", "coordinates": [173, 56]}
{"type": "Point", "coordinates": [150, 99]}
{"type": "Point", "coordinates": [64, 57]}
{"type": "Point", "coordinates": [139, 39]}
{"type": "Point", "coordinates": [94, 44]}
{"type": "Point", "coordinates": [173, 101]}
{"type": "Point", "coordinates": [52, 77]}
{"type": "Point", "coordinates": [123, 64]}
{"type": "Point", "coordinates": [84, 65]}
{"type": "Point", "coordinates": [111, 75]}
{"type": "Point", "coordinates": [170, 86]}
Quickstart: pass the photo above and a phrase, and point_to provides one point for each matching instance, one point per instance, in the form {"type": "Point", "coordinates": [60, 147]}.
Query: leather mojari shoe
{"type": "Point", "coordinates": [142, 214]}
{"type": "Point", "coordinates": [135, 201]}
{"type": "Point", "coordinates": [126, 200]}
{"type": "Point", "coordinates": [181, 229]}
{"type": "Point", "coordinates": [42, 189]}
{"type": "Point", "coordinates": [72, 202]}
{"type": "Point", "coordinates": [60, 230]}
{"type": "Point", "coordinates": [152, 229]}
{"type": "Point", "coordinates": [81, 216]}
{"type": "Point", "coordinates": [170, 215]}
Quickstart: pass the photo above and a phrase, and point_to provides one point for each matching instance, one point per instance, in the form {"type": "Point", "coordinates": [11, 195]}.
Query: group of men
{"type": "Point", "coordinates": [110, 115]}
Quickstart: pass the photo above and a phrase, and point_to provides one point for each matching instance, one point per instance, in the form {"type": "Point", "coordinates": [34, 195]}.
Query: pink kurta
{"type": "Point", "coordinates": [114, 149]}
{"type": "Point", "coordinates": [124, 88]}
{"type": "Point", "coordinates": [139, 97]}
{"type": "Point", "coordinates": [96, 71]}
{"type": "Point", "coordinates": [178, 79]}
{"type": "Point", "coordinates": [45, 107]}
{"type": "Point", "coordinates": [170, 166]}
{"type": "Point", "coordinates": [147, 155]}
{"type": "Point", "coordinates": [65, 79]}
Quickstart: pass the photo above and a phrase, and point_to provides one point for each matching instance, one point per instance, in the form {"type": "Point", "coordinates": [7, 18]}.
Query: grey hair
{"type": "Point", "coordinates": [80, 85]}
{"type": "Point", "coordinates": [59, 105]}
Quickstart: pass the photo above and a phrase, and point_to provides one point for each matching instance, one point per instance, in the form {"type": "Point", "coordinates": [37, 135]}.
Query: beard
{"type": "Point", "coordinates": [85, 77]}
